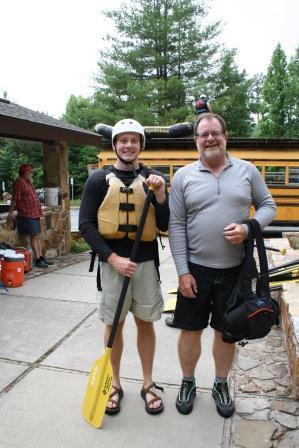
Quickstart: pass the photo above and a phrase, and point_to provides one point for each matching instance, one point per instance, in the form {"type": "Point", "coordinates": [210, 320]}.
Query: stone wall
{"type": "Point", "coordinates": [55, 232]}
{"type": "Point", "coordinates": [289, 308]}
{"type": "Point", "coordinates": [290, 318]}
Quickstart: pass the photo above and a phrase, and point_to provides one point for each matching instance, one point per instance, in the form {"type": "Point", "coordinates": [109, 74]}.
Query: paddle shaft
{"type": "Point", "coordinates": [284, 276]}
{"type": "Point", "coordinates": [132, 258]}
{"type": "Point", "coordinates": [285, 265]}
{"type": "Point", "coordinates": [273, 249]}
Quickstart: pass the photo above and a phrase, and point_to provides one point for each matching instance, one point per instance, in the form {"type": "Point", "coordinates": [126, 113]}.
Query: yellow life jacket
{"type": "Point", "coordinates": [120, 211]}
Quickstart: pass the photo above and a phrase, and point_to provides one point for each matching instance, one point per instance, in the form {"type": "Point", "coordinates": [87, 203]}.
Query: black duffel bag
{"type": "Point", "coordinates": [251, 314]}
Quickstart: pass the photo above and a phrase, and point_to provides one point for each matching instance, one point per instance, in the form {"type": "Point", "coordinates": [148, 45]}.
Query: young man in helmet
{"type": "Point", "coordinates": [109, 214]}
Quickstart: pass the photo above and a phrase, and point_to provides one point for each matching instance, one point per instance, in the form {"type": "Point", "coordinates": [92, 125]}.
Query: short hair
{"type": "Point", "coordinates": [210, 116]}
{"type": "Point", "coordinates": [25, 168]}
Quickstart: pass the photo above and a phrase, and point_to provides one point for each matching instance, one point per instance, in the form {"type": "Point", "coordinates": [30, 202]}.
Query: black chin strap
{"type": "Point", "coordinates": [128, 163]}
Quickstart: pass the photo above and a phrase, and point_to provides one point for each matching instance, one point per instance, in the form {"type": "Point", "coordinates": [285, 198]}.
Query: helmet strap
{"type": "Point", "coordinates": [124, 161]}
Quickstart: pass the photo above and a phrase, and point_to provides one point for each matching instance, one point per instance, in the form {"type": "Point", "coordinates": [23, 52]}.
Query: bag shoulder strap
{"type": "Point", "coordinates": [145, 171]}
{"type": "Point", "coordinates": [264, 271]}
{"type": "Point", "coordinates": [245, 275]}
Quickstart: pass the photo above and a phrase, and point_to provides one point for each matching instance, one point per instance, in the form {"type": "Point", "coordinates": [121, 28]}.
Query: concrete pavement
{"type": "Point", "coordinates": [49, 337]}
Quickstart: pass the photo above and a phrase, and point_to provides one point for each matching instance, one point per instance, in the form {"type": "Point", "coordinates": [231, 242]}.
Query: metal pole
{"type": "Point", "coordinates": [72, 187]}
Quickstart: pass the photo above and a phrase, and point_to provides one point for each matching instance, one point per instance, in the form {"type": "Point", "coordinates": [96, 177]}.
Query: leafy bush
{"type": "Point", "coordinates": [79, 245]}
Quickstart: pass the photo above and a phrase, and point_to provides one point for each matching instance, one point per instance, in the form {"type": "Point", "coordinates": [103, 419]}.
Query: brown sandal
{"type": "Point", "coordinates": [156, 398]}
{"type": "Point", "coordinates": [116, 409]}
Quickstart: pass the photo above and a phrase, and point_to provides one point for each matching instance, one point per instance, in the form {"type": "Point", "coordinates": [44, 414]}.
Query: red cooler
{"type": "Point", "coordinates": [12, 271]}
{"type": "Point", "coordinates": [27, 257]}
{"type": "Point", "coordinates": [1, 260]}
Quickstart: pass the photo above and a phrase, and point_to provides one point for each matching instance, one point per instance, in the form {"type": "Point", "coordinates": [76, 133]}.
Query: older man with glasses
{"type": "Point", "coordinates": [209, 202]}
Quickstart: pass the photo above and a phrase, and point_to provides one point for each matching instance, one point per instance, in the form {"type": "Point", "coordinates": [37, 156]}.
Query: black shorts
{"type": "Point", "coordinates": [214, 287]}
{"type": "Point", "coordinates": [28, 226]}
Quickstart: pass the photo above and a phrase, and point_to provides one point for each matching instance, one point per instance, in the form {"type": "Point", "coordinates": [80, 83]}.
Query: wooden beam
{"type": "Point", "coordinates": [38, 132]}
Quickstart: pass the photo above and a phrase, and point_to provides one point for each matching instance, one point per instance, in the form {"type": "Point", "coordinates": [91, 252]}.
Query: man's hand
{"type": "Point", "coordinates": [187, 285]}
{"type": "Point", "coordinates": [122, 265]}
{"type": "Point", "coordinates": [11, 216]}
{"type": "Point", "coordinates": [158, 184]}
{"type": "Point", "coordinates": [10, 221]}
{"type": "Point", "coordinates": [235, 233]}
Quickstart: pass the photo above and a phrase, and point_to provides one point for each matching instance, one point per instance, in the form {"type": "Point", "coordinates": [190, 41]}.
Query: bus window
{"type": "Point", "coordinates": [275, 175]}
{"type": "Point", "coordinates": [260, 169]}
{"type": "Point", "coordinates": [164, 170]}
{"type": "Point", "coordinates": [92, 167]}
{"type": "Point", "coordinates": [293, 175]}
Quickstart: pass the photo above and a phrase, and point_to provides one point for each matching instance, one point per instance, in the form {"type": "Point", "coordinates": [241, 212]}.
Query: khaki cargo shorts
{"type": "Point", "coordinates": [144, 297]}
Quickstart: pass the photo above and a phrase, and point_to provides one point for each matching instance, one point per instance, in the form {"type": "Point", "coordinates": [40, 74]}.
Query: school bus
{"type": "Point", "coordinates": [276, 159]}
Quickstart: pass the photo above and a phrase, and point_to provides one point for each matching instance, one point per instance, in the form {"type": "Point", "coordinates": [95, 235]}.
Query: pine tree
{"type": "Point", "coordinates": [292, 97]}
{"type": "Point", "coordinates": [230, 95]}
{"type": "Point", "coordinates": [255, 95]}
{"type": "Point", "coordinates": [153, 65]}
{"type": "Point", "coordinates": [275, 97]}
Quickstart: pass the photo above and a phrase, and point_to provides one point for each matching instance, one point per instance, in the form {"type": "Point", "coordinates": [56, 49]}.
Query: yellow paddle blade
{"type": "Point", "coordinates": [169, 306]}
{"type": "Point", "coordinates": [98, 390]}
{"type": "Point", "coordinates": [172, 291]}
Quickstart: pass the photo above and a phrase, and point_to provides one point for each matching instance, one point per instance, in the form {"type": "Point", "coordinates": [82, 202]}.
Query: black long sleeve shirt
{"type": "Point", "coordinates": [95, 190]}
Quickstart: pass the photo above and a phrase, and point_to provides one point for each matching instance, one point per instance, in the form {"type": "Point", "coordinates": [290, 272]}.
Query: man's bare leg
{"type": "Point", "coordinates": [115, 358]}
{"type": "Point", "coordinates": [189, 348]}
{"type": "Point", "coordinates": [35, 243]}
{"type": "Point", "coordinates": [146, 343]}
{"type": "Point", "coordinates": [224, 354]}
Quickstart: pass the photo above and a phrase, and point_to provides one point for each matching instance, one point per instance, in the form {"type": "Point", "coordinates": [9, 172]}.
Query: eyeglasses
{"type": "Point", "coordinates": [205, 135]}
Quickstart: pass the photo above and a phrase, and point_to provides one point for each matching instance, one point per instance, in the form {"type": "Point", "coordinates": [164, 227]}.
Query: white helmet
{"type": "Point", "coordinates": [128, 125]}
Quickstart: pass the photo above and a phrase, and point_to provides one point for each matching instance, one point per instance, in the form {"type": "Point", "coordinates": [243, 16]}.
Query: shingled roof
{"type": "Point", "coordinates": [21, 123]}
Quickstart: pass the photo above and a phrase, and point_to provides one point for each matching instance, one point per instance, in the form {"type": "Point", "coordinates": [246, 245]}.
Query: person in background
{"type": "Point", "coordinates": [202, 105]}
{"type": "Point", "coordinates": [209, 202]}
{"type": "Point", "coordinates": [110, 210]}
{"type": "Point", "coordinates": [26, 201]}
{"type": "Point", "coordinates": [6, 197]}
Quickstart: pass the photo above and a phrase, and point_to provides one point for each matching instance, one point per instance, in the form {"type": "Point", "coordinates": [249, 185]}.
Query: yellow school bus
{"type": "Point", "coordinates": [276, 159]}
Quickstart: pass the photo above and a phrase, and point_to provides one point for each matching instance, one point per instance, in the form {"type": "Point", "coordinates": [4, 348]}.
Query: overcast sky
{"type": "Point", "coordinates": [49, 49]}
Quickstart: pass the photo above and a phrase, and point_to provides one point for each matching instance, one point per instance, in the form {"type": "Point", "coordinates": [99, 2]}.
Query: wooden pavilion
{"type": "Point", "coordinates": [18, 122]}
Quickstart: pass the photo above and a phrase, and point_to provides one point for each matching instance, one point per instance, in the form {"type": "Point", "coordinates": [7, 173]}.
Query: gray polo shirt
{"type": "Point", "coordinates": [201, 205]}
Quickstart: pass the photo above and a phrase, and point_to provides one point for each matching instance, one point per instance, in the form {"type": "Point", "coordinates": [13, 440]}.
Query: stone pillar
{"type": "Point", "coordinates": [55, 162]}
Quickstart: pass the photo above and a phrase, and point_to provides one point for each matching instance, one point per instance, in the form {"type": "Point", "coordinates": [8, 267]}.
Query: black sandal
{"type": "Point", "coordinates": [116, 409]}
{"type": "Point", "coordinates": [148, 390]}
{"type": "Point", "coordinates": [169, 321]}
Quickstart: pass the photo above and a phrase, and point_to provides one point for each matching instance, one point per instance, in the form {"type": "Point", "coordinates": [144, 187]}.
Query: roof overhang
{"type": "Point", "coordinates": [40, 132]}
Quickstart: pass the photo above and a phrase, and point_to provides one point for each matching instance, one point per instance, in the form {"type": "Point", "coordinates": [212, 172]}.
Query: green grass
{"type": "Point", "coordinates": [75, 202]}
{"type": "Point", "coordinates": [79, 246]}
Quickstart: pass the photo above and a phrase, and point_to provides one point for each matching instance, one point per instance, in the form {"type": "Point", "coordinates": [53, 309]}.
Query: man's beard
{"type": "Point", "coordinates": [213, 154]}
